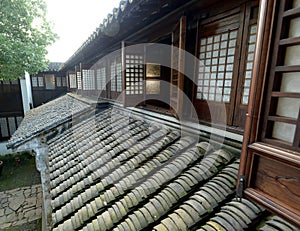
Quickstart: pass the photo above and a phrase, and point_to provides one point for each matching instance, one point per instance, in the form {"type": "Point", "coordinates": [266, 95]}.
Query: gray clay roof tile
{"type": "Point", "coordinates": [106, 173]}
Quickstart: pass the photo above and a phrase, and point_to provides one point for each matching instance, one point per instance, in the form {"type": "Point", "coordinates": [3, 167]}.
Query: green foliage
{"type": "Point", "coordinates": [24, 36]}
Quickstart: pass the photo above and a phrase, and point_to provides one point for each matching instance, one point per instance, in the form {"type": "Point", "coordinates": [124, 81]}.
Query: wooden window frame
{"type": "Point", "coordinates": [133, 74]}
{"type": "Point", "coordinates": [177, 66]}
{"type": "Point", "coordinates": [275, 76]}
{"type": "Point", "coordinates": [269, 170]}
{"type": "Point", "coordinates": [239, 19]}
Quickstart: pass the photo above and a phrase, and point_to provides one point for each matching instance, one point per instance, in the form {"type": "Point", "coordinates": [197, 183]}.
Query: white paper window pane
{"type": "Point", "coordinates": [214, 61]}
{"type": "Point", "coordinates": [249, 65]}
{"type": "Point", "coordinates": [229, 67]}
{"type": "Point", "coordinates": [72, 78]}
{"type": "Point", "coordinates": [79, 83]}
{"type": "Point", "coordinates": [50, 82]}
{"type": "Point", "coordinates": [214, 68]}
{"type": "Point", "coordinates": [216, 46]}
{"type": "Point", "coordinates": [226, 98]}
{"type": "Point", "coordinates": [224, 36]}
{"type": "Point", "coordinates": [58, 81]}
{"type": "Point", "coordinates": [228, 75]}
{"type": "Point", "coordinates": [248, 74]}
{"type": "Point", "coordinates": [223, 53]}
{"type": "Point", "coordinates": [218, 98]}
{"type": "Point", "coordinates": [227, 91]}
{"type": "Point", "coordinates": [208, 54]}
{"type": "Point", "coordinates": [251, 48]}
{"type": "Point", "coordinates": [223, 45]}
{"type": "Point", "coordinates": [232, 43]}
{"type": "Point", "coordinates": [231, 51]}
{"type": "Point", "coordinates": [64, 81]}
{"type": "Point", "coordinates": [284, 131]}
{"type": "Point", "coordinates": [247, 83]}
{"type": "Point", "coordinates": [221, 68]}
{"type": "Point", "coordinates": [208, 62]}
{"type": "Point", "coordinates": [222, 60]}
{"type": "Point", "coordinates": [34, 81]}
{"type": "Point", "coordinates": [41, 81]}
{"type": "Point", "coordinates": [220, 75]}
{"type": "Point", "coordinates": [228, 83]}
{"type": "Point", "coordinates": [245, 100]}
{"type": "Point", "coordinates": [233, 34]}
{"type": "Point", "coordinates": [253, 29]}
{"type": "Point", "coordinates": [216, 53]}
{"type": "Point", "coordinates": [209, 40]}
{"type": "Point", "coordinates": [217, 38]}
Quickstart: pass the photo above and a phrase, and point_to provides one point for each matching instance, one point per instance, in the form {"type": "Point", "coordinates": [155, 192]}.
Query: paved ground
{"type": "Point", "coordinates": [20, 206]}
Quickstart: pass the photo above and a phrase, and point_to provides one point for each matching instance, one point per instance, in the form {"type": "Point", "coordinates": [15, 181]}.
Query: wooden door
{"type": "Point", "coordinates": [270, 163]}
{"type": "Point", "coordinates": [177, 66]}
{"type": "Point", "coordinates": [133, 74]}
{"type": "Point", "coordinates": [219, 51]}
{"type": "Point", "coordinates": [225, 49]}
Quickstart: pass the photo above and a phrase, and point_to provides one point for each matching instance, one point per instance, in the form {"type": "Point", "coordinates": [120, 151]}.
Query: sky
{"type": "Point", "coordinates": [74, 22]}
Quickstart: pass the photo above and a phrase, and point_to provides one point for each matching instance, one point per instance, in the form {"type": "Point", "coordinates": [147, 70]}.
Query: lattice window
{"type": "Point", "coordinates": [119, 77]}
{"type": "Point", "coordinates": [113, 76]}
{"type": "Point", "coordinates": [34, 81]}
{"type": "Point", "coordinates": [88, 78]}
{"type": "Point", "coordinates": [41, 81]}
{"type": "Point", "coordinates": [79, 82]}
{"type": "Point", "coordinates": [72, 80]}
{"type": "Point", "coordinates": [12, 125]}
{"type": "Point", "coordinates": [4, 128]}
{"type": "Point", "coordinates": [64, 81]}
{"type": "Point", "coordinates": [50, 82]}
{"type": "Point", "coordinates": [134, 74]}
{"type": "Point", "coordinates": [58, 81]}
{"type": "Point", "coordinates": [216, 66]}
{"type": "Point", "coordinates": [282, 122]}
{"type": "Point", "coordinates": [101, 79]}
{"type": "Point", "coordinates": [249, 64]}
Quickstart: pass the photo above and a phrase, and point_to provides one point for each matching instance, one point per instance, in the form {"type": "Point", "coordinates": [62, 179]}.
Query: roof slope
{"type": "Point", "coordinates": [45, 117]}
{"type": "Point", "coordinates": [118, 172]}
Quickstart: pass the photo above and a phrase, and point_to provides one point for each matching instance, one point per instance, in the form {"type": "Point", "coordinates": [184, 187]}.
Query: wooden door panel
{"type": "Point", "coordinates": [217, 71]}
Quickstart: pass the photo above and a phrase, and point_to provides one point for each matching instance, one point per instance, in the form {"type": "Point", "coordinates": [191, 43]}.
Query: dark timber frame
{"type": "Point", "coordinates": [270, 168]}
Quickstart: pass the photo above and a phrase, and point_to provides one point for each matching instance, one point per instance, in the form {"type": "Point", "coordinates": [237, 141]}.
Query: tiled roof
{"type": "Point", "coordinates": [123, 21]}
{"type": "Point", "coordinates": [114, 171]}
{"type": "Point", "coordinates": [45, 117]}
{"type": "Point", "coordinates": [54, 66]}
